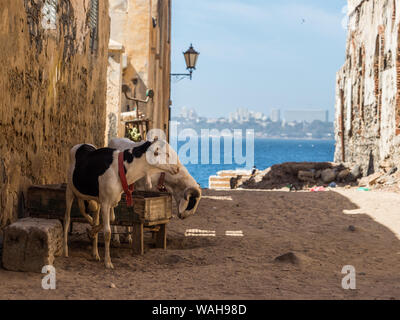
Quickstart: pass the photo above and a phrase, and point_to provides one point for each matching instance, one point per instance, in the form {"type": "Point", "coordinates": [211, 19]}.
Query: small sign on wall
{"type": "Point", "coordinates": [49, 15]}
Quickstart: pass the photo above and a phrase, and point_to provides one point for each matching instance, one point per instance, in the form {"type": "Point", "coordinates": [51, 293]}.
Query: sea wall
{"type": "Point", "coordinates": [367, 126]}
{"type": "Point", "coordinates": [53, 57]}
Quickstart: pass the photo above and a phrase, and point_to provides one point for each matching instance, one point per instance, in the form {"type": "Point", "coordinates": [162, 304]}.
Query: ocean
{"type": "Point", "coordinates": [267, 152]}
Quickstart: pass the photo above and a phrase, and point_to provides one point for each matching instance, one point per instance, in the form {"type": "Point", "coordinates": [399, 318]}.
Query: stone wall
{"type": "Point", "coordinates": [368, 87]}
{"type": "Point", "coordinates": [52, 90]}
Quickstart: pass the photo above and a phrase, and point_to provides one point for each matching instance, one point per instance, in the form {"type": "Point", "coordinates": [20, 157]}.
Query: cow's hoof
{"type": "Point", "coordinates": [109, 265]}
{"type": "Point", "coordinates": [130, 240]}
{"type": "Point", "coordinates": [96, 257]}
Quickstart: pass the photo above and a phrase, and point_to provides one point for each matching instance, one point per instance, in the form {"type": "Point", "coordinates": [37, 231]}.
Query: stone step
{"type": "Point", "coordinates": [31, 243]}
{"type": "Point", "coordinates": [218, 186]}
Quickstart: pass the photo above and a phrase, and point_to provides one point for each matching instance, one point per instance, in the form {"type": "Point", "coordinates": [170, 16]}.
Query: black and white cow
{"type": "Point", "coordinates": [93, 175]}
{"type": "Point", "coordinates": [182, 186]}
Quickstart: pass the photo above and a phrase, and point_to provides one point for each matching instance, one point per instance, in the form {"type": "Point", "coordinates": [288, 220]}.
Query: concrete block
{"type": "Point", "coordinates": [30, 244]}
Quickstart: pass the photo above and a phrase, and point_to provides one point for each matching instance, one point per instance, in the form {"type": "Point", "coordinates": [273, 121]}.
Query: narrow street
{"type": "Point", "coordinates": [312, 226]}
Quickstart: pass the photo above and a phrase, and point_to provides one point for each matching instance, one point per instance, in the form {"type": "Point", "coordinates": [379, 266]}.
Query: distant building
{"type": "Point", "coordinates": [189, 114]}
{"type": "Point", "coordinates": [275, 115]}
{"type": "Point", "coordinates": [257, 116]}
{"type": "Point", "coordinates": [184, 112]}
{"type": "Point", "coordinates": [306, 115]}
{"type": "Point", "coordinates": [244, 115]}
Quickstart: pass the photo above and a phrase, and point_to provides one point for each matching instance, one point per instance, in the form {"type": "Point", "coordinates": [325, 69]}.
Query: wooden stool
{"type": "Point", "coordinates": [159, 230]}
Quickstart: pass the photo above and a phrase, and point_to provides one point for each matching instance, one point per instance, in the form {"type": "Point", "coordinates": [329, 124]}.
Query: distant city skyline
{"type": "Point", "coordinates": [300, 124]}
{"type": "Point", "coordinates": [275, 115]}
{"type": "Point", "coordinates": [258, 54]}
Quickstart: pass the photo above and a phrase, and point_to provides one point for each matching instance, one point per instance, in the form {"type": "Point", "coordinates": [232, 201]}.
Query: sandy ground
{"type": "Point", "coordinates": [313, 226]}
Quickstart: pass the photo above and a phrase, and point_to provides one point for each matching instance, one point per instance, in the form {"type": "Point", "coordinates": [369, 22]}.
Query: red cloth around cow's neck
{"type": "Point", "coordinates": [127, 189]}
{"type": "Point", "coordinates": [161, 183]}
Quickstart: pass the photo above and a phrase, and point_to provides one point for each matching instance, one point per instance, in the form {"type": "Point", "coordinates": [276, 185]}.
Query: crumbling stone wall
{"type": "Point", "coordinates": [368, 87]}
{"type": "Point", "coordinates": [52, 90]}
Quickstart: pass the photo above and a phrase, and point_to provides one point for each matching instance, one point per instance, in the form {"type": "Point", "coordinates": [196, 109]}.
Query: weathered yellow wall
{"type": "Point", "coordinates": [161, 64]}
{"type": "Point", "coordinates": [144, 29]}
{"type": "Point", "coordinates": [52, 93]}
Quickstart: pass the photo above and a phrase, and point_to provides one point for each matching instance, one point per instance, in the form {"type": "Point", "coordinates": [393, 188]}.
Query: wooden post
{"type": "Point", "coordinates": [161, 238]}
{"type": "Point", "coordinates": [138, 239]}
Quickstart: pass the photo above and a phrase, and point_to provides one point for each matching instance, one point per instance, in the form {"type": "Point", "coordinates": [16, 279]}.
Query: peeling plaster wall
{"type": "Point", "coordinates": [367, 92]}
{"type": "Point", "coordinates": [52, 93]}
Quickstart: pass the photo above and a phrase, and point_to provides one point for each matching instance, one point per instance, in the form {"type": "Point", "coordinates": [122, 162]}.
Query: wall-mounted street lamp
{"type": "Point", "coordinates": [191, 57]}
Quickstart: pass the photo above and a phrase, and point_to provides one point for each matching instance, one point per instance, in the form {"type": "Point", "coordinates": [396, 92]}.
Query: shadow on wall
{"type": "Point", "coordinates": [371, 166]}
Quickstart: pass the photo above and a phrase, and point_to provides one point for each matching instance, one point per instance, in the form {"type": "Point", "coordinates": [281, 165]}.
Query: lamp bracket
{"type": "Point", "coordinates": [149, 94]}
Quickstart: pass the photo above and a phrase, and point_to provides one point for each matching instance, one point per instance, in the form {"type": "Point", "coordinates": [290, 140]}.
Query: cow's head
{"type": "Point", "coordinates": [183, 188]}
{"type": "Point", "coordinates": [181, 185]}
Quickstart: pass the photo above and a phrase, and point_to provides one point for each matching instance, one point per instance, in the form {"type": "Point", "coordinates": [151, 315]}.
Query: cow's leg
{"type": "Point", "coordinates": [95, 229]}
{"type": "Point", "coordinates": [129, 230]}
{"type": "Point", "coordinates": [106, 209]}
{"type": "Point", "coordinates": [115, 236]}
{"type": "Point", "coordinates": [116, 240]}
{"type": "Point", "coordinates": [95, 247]}
{"type": "Point", "coordinates": [82, 209]}
{"type": "Point", "coordinates": [112, 214]}
{"type": "Point", "coordinates": [69, 198]}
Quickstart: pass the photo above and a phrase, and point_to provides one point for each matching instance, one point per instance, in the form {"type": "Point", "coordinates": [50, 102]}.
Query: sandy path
{"type": "Point", "coordinates": [314, 226]}
{"type": "Point", "coordinates": [383, 207]}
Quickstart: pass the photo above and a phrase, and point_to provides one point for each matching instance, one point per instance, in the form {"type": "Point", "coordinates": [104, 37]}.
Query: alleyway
{"type": "Point", "coordinates": [313, 226]}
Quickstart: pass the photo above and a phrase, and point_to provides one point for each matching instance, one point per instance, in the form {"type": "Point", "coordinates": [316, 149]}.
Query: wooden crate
{"type": "Point", "coordinates": [48, 202]}
{"type": "Point", "coordinates": [150, 208]}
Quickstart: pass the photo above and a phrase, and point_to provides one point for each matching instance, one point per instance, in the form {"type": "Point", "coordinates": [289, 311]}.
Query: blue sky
{"type": "Point", "coordinates": [258, 54]}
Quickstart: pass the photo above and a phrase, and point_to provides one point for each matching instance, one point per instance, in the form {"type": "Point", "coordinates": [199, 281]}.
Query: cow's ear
{"type": "Point", "coordinates": [139, 151]}
{"type": "Point", "coordinates": [128, 156]}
